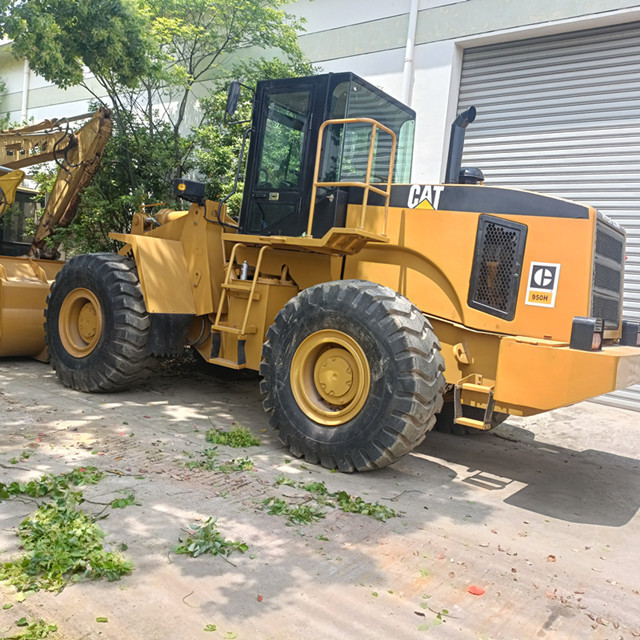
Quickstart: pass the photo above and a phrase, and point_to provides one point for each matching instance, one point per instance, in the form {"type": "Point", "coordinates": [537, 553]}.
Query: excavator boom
{"type": "Point", "coordinates": [25, 282]}
{"type": "Point", "coordinates": [78, 156]}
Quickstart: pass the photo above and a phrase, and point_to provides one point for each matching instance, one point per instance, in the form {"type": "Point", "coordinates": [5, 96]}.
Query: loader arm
{"type": "Point", "coordinates": [78, 156]}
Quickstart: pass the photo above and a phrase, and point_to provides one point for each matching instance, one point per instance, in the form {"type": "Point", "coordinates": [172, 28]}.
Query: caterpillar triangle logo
{"type": "Point", "coordinates": [425, 196]}
{"type": "Point", "coordinates": [543, 284]}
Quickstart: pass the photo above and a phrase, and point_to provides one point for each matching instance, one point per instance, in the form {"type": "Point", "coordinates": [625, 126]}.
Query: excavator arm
{"type": "Point", "coordinates": [78, 156]}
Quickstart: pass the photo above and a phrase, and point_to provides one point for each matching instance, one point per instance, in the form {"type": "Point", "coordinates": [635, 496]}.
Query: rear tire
{"type": "Point", "coordinates": [352, 375]}
{"type": "Point", "coordinates": [96, 324]}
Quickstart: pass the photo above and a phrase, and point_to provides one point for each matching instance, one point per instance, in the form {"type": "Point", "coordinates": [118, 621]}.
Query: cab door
{"type": "Point", "coordinates": [279, 172]}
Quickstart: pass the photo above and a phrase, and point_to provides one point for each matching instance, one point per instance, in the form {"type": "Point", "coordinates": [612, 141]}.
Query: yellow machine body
{"type": "Point", "coordinates": [191, 265]}
{"type": "Point", "coordinates": [363, 300]}
{"type": "Point", "coordinates": [24, 286]}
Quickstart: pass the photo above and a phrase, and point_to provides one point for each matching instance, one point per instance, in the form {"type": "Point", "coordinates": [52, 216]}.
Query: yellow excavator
{"type": "Point", "coordinates": [364, 300]}
{"type": "Point", "coordinates": [25, 280]}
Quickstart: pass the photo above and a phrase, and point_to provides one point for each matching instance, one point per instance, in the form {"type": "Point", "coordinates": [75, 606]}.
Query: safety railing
{"type": "Point", "coordinates": [366, 185]}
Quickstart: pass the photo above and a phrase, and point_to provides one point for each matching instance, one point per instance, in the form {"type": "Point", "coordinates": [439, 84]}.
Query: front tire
{"type": "Point", "coordinates": [96, 324]}
{"type": "Point", "coordinates": [352, 375]}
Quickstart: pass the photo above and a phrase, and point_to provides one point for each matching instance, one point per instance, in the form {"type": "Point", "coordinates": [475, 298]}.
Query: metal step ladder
{"type": "Point", "coordinates": [230, 286]}
{"type": "Point", "coordinates": [474, 383]}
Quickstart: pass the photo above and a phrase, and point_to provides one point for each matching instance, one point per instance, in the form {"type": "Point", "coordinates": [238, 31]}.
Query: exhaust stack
{"type": "Point", "coordinates": [456, 145]}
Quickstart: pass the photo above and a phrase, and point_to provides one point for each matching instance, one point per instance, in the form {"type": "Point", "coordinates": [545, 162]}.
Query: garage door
{"type": "Point", "coordinates": [561, 115]}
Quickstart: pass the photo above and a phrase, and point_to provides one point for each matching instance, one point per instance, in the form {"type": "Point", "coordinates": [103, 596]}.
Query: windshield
{"type": "Point", "coordinates": [347, 146]}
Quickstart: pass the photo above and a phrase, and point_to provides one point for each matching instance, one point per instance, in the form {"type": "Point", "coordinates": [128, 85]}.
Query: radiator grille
{"type": "Point", "coordinates": [497, 266]}
{"type": "Point", "coordinates": [608, 268]}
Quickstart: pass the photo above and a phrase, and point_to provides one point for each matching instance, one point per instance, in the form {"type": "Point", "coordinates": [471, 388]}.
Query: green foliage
{"type": "Point", "coordinates": [355, 504]}
{"type": "Point", "coordinates": [237, 464]}
{"type": "Point", "coordinates": [296, 514]}
{"type": "Point", "coordinates": [111, 37]}
{"type": "Point", "coordinates": [145, 57]}
{"type": "Point", "coordinates": [127, 500]}
{"type": "Point", "coordinates": [306, 513]}
{"type": "Point", "coordinates": [282, 479]}
{"type": "Point", "coordinates": [52, 486]}
{"type": "Point", "coordinates": [32, 630]}
{"type": "Point", "coordinates": [62, 544]}
{"type": "Point", "coordinates": [209, 461]}
{"type": "Point", "coordinates": [206, 538]}
{"type": "Point", "coordinates": [237, 437]}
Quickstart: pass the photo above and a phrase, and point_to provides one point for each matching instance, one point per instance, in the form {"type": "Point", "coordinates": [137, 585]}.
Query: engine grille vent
{"type": "Point", "coordinates": [608, 269]}
{"type": "Point", "coordinates": [497, 266]}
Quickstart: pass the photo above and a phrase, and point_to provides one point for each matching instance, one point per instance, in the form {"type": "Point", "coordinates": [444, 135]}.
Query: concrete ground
{"type": "Point", "coordinates": [541, 514]}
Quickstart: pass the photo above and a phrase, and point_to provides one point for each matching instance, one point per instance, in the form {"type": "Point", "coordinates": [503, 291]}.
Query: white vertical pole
{"type": "Point", "coordinates": [24, 111]}
{"type": "Point", "coordinates": [407, 75]}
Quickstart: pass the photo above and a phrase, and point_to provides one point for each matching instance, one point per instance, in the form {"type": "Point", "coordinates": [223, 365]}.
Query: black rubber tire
{"type": "Point", "coordinates": [445, 424]}
{"type": "Point", "coordinates": [406, 375]}
{"type": "Point", "coordinates": [119, 359]}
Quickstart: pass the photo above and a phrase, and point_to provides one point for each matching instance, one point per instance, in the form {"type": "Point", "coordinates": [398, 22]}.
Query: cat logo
{"type": "Point", "coordinates": [543, 284]}
{"type": "Point", "coordinates": [424, 196]}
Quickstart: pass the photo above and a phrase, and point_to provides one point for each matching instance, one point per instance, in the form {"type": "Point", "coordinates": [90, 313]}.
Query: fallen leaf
{"type": "Point", "coordinates": [260, 598]}
{"type": "Point", "coordinates": [476, 591]}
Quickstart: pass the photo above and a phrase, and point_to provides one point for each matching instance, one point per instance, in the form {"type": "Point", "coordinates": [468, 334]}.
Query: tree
{"type": "Point", "coordinates": [152, 62]}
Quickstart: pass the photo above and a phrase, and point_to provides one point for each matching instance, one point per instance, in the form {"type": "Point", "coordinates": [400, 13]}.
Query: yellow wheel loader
{"type": "Point", "coordinates": [362, 299]}
{"type": "Point", "coordinates": [25, 281]}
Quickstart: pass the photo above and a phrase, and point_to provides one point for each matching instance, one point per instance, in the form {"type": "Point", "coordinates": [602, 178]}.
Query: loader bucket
{"type": "Point", "coordinates": [24, 286]}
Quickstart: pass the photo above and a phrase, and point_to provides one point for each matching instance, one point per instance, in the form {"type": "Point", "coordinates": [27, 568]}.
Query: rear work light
{"type": "Point", "coordinates": [587, 334]}
{"type": "Point", "coordinates": [630, 334]}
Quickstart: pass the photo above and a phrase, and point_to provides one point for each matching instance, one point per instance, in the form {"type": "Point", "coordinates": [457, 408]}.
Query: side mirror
{"type": "Point", "coordinates": [232, 98]}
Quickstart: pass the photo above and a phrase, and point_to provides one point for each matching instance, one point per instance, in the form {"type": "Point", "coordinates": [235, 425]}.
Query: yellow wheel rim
{"type": "Point", "coordinates": [80, 322]}
{"type": "Point", "coordinates": [330, 377]}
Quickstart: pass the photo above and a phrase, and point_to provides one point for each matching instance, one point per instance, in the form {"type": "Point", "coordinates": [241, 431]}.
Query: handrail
{"type": "Point", "coordinates": [366, 185]}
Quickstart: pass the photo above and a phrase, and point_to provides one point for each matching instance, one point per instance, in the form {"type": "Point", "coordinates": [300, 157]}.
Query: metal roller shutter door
{"type": "Point", "coordinates": [561, 115]}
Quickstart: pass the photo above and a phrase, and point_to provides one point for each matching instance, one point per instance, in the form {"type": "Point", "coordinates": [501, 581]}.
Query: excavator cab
{"type": "Point", "coordinates": [287, 129]}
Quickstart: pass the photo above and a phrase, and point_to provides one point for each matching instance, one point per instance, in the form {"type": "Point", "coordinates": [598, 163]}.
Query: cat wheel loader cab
{"type": "Point", "coordinates": [362, 299]}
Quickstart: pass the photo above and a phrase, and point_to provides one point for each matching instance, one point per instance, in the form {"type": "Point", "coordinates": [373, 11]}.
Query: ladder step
{"type": "Point", "coordinates": [224, 362]}
{"type": "Point", "coordinates": [233, 330]}
{"type": "Point", "coordinates": [472, 386]}
{"type": "Point", "coordinates": [234, 286]}
{"type": "Point", "coordinates": [470, 422]}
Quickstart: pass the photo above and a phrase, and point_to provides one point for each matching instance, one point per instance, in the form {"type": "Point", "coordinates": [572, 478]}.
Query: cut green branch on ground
{"type": "Point", "coordinates": [62, 544]}
{"type": "Point", "coordinates": [237, 464]}
{"type": "Point", "coordinates": [50, 485]}
{"type": "Point", "coordinates": [296, 514]}
{"type": "Point", "coordinates": [310, 511]}
{"type": "Point", "coordinates": [127, 500]}
{"type": "Point", "coordinates": [205, 538]}
{"type": "Point", "coordinates": [32, 630]}
{"type": "Point", "coordinates": [209, 462]}
{"type": "Point", "coordinates": [238, 437]}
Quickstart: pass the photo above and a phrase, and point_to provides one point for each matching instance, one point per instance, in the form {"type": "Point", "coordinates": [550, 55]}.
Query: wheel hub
{"type": "Point", "coordinates": [333, 376]}
{"type": "Point", "coordinates": [330, 377]}
{"type": "Point", "coordinates": [80, 322]}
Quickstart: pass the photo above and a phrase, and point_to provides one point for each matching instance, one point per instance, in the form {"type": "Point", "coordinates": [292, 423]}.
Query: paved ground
{"type": "Point", "coordinates": [542, 515]}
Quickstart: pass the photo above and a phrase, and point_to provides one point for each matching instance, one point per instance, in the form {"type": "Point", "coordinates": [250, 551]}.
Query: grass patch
{"type": "Point", "coordinates": [238, 437]}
